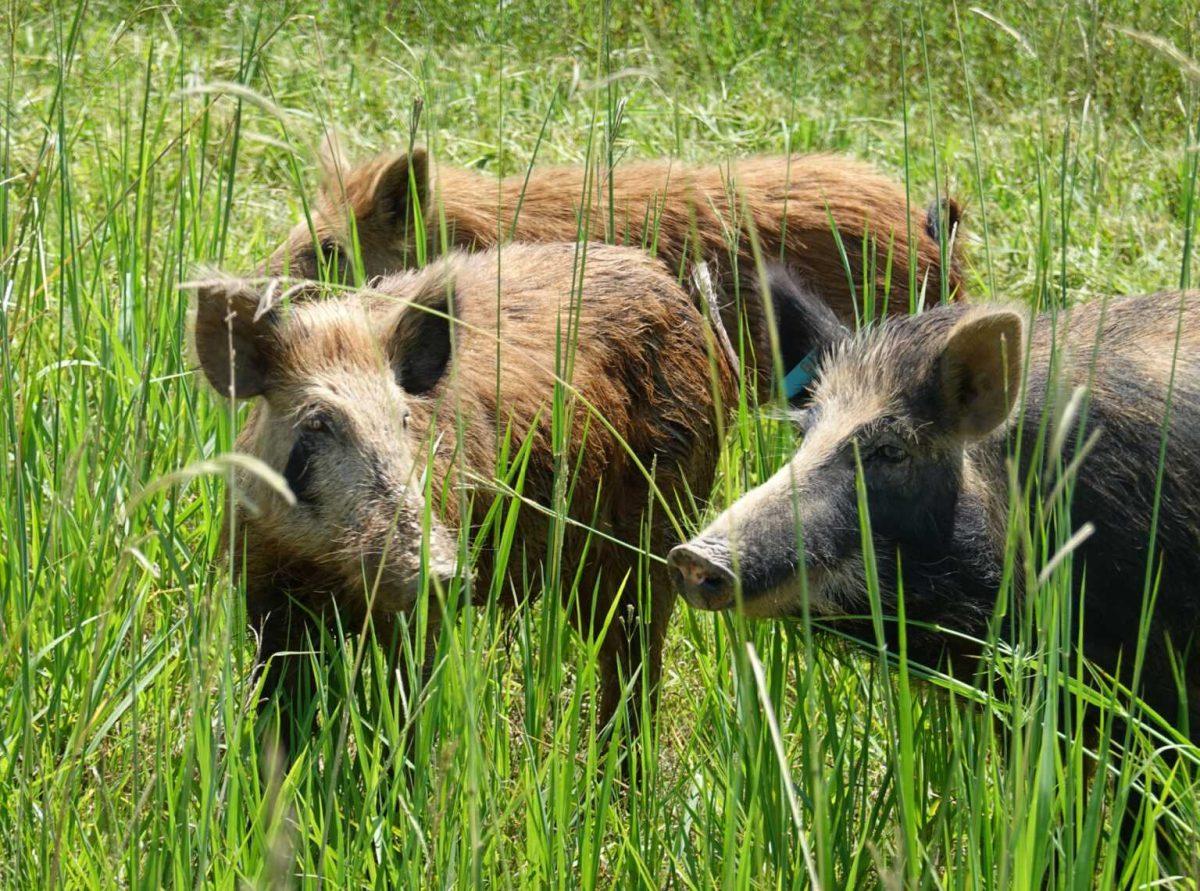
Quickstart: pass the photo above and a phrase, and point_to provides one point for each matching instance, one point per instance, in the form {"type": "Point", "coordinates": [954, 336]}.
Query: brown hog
{"type": "Point", "coordinates": [933, 407]}
{"type": "Point", "coordinates": [680, 212]}
{"type": "Point", "coordinates": [350, 393]}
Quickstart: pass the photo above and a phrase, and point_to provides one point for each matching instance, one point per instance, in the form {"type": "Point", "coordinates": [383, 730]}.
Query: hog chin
{"type": "Point", "coordinates": [398, 590]}
{"type": "Point", "coordinates": [393, 582]}
{"type": "Point", "coordinates": [786, 599]}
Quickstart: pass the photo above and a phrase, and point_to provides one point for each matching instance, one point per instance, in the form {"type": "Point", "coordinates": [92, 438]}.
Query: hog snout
{"type": "Point", "coordinates": [702, 573]}
{"type": "Point", "coordinates": [396, 578]}
{"type": "Point", "coordinates": [399, 556]}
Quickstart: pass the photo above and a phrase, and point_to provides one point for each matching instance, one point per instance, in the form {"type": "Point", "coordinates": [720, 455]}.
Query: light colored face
{"type": "Point", "coordinates": [903, 405]}
{"type": "Point", "coordinates": [332, 419]}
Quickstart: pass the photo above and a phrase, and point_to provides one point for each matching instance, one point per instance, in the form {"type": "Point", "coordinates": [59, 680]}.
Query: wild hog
{"type": "Point", "coordinates": [350, 393]}
{"type": "Point", "coordinates": [927, 404]}
{"type": "Point", "coordinates": [680, 212]}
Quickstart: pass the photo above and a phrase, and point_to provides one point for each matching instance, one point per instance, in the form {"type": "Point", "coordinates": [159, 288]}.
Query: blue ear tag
{"type": "Point", "coordinates": [800, 376]}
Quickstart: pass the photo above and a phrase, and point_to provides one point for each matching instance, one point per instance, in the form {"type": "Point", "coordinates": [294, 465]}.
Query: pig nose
{"type": "Point", "coordinates": [703, 582]}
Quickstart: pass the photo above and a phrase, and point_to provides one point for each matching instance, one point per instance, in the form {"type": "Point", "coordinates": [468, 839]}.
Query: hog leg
{"type": "Point", "coordinates": [409, 667]}
{"type": "Point", "coordinates": [632, 649]}
{"type": "Point", "coordinates": [285, 634]}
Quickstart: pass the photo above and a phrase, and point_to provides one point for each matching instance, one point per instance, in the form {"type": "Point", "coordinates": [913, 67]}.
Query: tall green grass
{"type": "Point", "coordinates": [140, 141]}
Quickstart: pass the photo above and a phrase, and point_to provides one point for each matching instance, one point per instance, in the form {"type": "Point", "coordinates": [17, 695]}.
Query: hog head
{"type": "Point", "coordinates": [333, 392]}
{"type": "Point", "coordinates": [916, 405]}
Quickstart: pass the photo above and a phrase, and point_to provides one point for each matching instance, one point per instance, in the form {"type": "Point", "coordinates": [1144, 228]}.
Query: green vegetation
{"type": "Point", "coordinates": [140, 140]}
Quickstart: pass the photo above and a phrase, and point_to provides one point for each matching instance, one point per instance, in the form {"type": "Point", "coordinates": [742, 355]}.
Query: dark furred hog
{"type": "Point", "coordinates": [350, 393]}
{"type": "Point", "coordinates": [682, 212]}
{"type": "Point", "coordinates": [928, 402]}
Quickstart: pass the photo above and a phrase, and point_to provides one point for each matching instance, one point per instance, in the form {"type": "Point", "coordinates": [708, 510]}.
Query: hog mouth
{"type": "Point", "coordinates": [390, 575]}
{"type": "Point", "coordinates": [786, 596]}
{"type": "Point", "coordinates": [831, 590]}
{"type": "Point", "coordinates": [393, 582]}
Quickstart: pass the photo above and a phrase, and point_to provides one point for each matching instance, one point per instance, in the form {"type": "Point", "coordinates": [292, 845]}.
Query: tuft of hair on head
{"type": "Point", "coordinates": [980, 371]}
{"type": "Point", "coordinates": [400, 184]}
{"type": "Point", "coordinates": [234, 332]}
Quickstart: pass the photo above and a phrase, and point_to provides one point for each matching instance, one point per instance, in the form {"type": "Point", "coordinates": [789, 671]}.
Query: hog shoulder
{"type": "Point", "coordinates": [627, 351]}
{"type": "Point", "coordinates": [1142, 384]}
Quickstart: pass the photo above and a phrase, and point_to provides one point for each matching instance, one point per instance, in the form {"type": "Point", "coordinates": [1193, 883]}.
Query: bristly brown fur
{"type": "Point", "coordinates": [683, 212]}
{"type": "Point", "coordinates": [641, 361]}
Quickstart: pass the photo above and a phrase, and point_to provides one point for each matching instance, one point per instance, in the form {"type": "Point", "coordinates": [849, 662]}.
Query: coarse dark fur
{"type": "Point", "coordinates": [682, 212]}
{"type": "Point", "coordinates": [934, 407]}
{"type": "Point", "coordinates": [372, 381]}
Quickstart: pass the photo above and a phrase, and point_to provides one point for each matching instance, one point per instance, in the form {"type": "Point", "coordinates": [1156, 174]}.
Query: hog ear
{"type": "Point", "coordinates": [236, 341]}
{"type": "Point", "coordinates": [418, 343]}
{"type": "Point", "coordinates": [980, 369]}
{"type": "Point", "coordinates": [402, 181]}
{"type": "Point", "coordinates": [808, 330]}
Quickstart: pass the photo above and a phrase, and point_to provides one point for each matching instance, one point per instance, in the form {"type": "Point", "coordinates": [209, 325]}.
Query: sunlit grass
{"type": "Point", "coordinates": [140, 142]}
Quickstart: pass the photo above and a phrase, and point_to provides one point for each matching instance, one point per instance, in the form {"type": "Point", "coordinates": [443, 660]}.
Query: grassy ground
{"type": "Point", "coordinates": [140, 140]}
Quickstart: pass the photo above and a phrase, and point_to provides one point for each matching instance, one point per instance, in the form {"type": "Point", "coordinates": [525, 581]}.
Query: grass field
{"type": "Point", "coordinates": [141, 140]}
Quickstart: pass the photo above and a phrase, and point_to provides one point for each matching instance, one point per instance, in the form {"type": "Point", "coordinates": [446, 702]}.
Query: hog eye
{"type": "Point", "coordinates": [889, 453]}
{"type": "Point", "coordinates": [333, 255]}
{"type": "Point", "coordinates": [316, 423]}
{"type": "Point", "coordinates": [404, 418]}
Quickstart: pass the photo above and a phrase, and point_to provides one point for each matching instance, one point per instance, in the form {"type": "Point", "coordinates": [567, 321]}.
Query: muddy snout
{"type": "Point", "coordinates": [408, 556]}
{"type": "Point", "coordinates": [702, 572]}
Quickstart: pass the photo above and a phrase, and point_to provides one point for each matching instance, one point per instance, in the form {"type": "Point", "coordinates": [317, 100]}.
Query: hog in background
{"type": "Point", "coordinates": [682, 212]}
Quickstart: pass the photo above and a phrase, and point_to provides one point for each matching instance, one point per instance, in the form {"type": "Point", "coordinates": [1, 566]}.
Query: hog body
{"type": "Point", "coordinates": [934, 406]}
{"type": "Point", "coordinates": [681, 212]}
{"type": "Point", "coordinates": [351, 395]}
